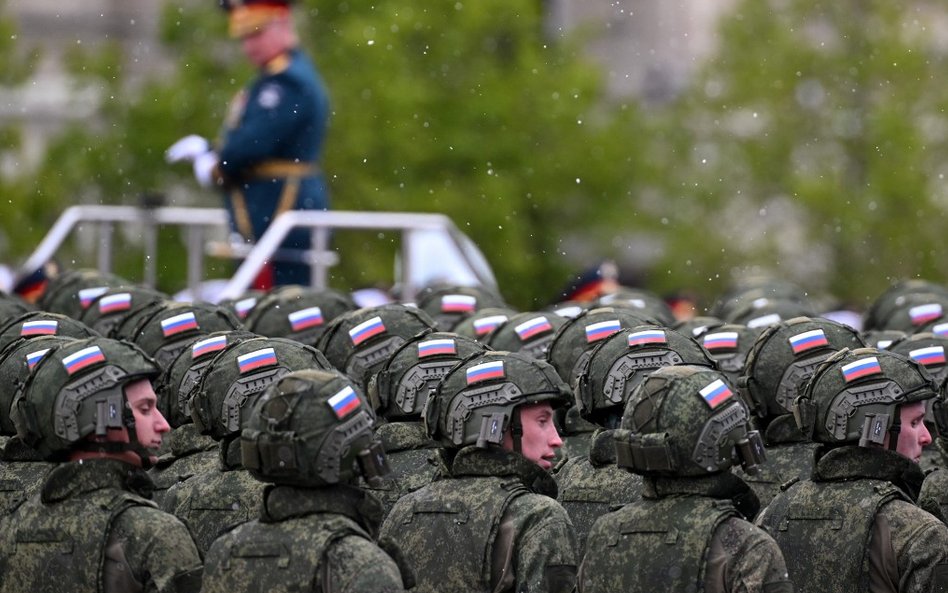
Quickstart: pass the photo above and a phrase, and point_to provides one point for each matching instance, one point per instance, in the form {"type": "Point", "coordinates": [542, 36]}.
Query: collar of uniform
{"type": "Point", "coordinates": [602, 451]}
{"type": "Point", "coordinates": [722, 486]}
{"type": "Point", "coordinates": [282, 502]}
{"type": "Point", "coordinates": [852, 462]}
{"type": "Point", "coordinates": [400, 436]}
{"type": "Point", "coordinates": [187, 439]}
{"type": "Point", "coordinates": [783, 429]}
{"type": "Point", "coordinates": [16, 450]}
{"type": "Point", "coordinates": [229, 454]}
{"type": "Point", "coordinates": [494, 461]}
{"type": "Point", "coordinates": [279, 63]}
{"type": "Point", "coordinates": [74, 478]}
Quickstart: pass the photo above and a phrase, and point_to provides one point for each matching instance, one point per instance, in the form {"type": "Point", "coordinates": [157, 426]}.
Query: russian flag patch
{"type": "Point", "coordinates": [435, 347]}
{"type": "Point", "coordinates": [861, 368]}
{"type": "Point", "coordinates": [256, 359]}
{"type": "Point", "coordinates": [922, 314]}
{"type": "Point", "coordinates": [720, 341]}
{"type": "Point", "coordinates": [485, 325]}
{"type": "Point", "coordinates": [715, 393]}
{"type": "Point", "coordinates": [111, 303]}
{"type": "Point", "coordinates": [533, 327]}
{"type": "Point", "coordinates": [344, 402]}
{"type": "Point", "coordinates": [807, 341]}
{"type": "Point", "coordinates": [305, 318]}
{"type": "Point", "coordinates": [603, 329]}
{"type": "Point", "coordinates": [485, 371]}
{"type": "Point", "coordinates": [244, 306]}
{"type": "Point", "coordinates": [178, 323]}
{"type": "Point", "coordinates": [366, 330]}
{"type": "Point", "coordinates": [40, 327]}
{"type": "Point", "coordinates": [931, 356]}
{"type": "Point", "coordinates": [77, 361]}
{"type": "Point", "coordinates": [208, 345]}
{"type": "Point", "coordinates": [34, 357]}
{"type": "Point", "coordinates": [649, 336]}
{"type": "Point", "coordinates": [87, 295]}
{"type": "Point", "coordinates": [458, 303]}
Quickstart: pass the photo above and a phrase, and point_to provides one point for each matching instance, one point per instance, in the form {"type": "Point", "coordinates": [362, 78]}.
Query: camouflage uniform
{"type": "Point", "coordinates": [190, 453]}
{"type": "Point", "coordinates": [22, 471]}
{"type": "Point", "coordinates": [310, 434]}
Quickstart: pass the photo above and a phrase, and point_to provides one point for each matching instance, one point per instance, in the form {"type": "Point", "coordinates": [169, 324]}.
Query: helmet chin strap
{"type": "Point", "coordinates": [516, 430]}
{"type": "Point", "coordinates": [895, 429]}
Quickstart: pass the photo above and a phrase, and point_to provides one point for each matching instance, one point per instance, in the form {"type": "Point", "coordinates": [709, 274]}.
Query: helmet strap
{"type": "Point", "coordinates": [516, 430]}
{"type": "Point", "coordinates": [895, 429]}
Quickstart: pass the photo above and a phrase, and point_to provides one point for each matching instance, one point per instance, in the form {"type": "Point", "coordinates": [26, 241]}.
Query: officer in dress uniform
{"type": "Point", "coordinates": [267, 158]}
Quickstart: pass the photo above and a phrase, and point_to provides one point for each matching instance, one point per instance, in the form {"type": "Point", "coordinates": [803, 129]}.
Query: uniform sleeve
{"type": "Point", "coordinates": [357, 565]}
{"type": "Point", "coordinates": [152, 551]}
{"type": "Point", "coordinates": [543, 558]}
{"type": "Point", "coordinates": [744, 559]}
{"type": "Point", "coordinates": [920, 544]}
{"type": "Point", "coordinates": [275, 109]}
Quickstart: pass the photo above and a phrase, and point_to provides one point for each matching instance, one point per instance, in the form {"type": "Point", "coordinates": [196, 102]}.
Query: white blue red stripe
{"type": "Point", "coordinates": [208, 345]}
{"type": "Point", "coordinates": [861, 368]}
{"type": "Point", "coordinates": [305, 318]}
{"type": "Point", "coordinates": [720, 341]}
{"type": "Point", "coordinates": [256, 359]}
{"type": "Point", "coordinates": [34, 357]}
{"type": "Point", "coordinates": [244, 306]}
{"type": "Point", "coordinates": [435, 347]}
{"type": "Point", "coordinates": [930, 356]}
{"type": "Point", "coordinates": [178, 323]}
{"type": "Point", "coordinates": [941, 329]}
{"type": "Point", "coordinates": [366, 330]}
{"type": "Point", "coordinates": [716, 393]}
{"type": "Point", "coordinates": [111, 303]}
{"type": "Point", "coordinates": [485, 371]}
{"type": "Point", "coordinates": [533, 327]}
{"type": "Point", "coordinates": [569, 312]}
{"type": "Point", "coordinates": [40, 327]}
{"type": "Point", "coordinates": [922, 314]}
{"type": "Point", "coordinates": [79, 360]}
{"type": "Point", "coordinates": [458, 303]}
{"type": "Point", "coordinates": [344, 402]}
{"type": "Point", "coordinates": [649, 336]}
{"type": "Point", "coordinates": [603, 329]}
{"type": "Point", "coordinates": [808, 340]}
{"type": "Point", "coordinates": [87, 295]}
{"type": "Point", "coordinates": [764, 320]}
{"type": "Point", "coordinates": [485, 325]}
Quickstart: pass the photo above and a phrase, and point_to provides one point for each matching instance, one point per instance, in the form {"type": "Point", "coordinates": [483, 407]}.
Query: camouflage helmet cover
{"type": "Point", "coordinates": [43, 323]}
{"type": "Point", "coordinates": [312, 428]}
{"type": "Point", "coordinates": [449, 304]}
{"type": "Point", "coordinates": [17, 360]}
{"type": "Point", "coordinates": [927, 349]}
{"type": "Point", "coordinates": [109, 309]}
{"type": "Point", "coordinates": [893, 298]}
{"type": "Point", "coordinates": [297, 312]}
{"type": "Point", "coordinates": [527, 332]}
{"type": "Point", "coordinates": [480, 324]}
{"type": "Point", "coordinates": [71, 292]}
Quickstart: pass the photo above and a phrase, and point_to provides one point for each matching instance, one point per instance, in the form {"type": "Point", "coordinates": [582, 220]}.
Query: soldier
{"type": "Point", "coordinates": [214, 502]}
{"type": "Point", "coordinates": [90, 404]}
{"type": "Point", "coordinates": [267, 161]}
{"type": "Point", "coordinates": [853, 525]}
{"type": "Point", "coordinates": [782, 358]}
{"type": "Point", "coordinates": [682, 430]}
{"type": "Point", "coordinates": [493, 524]}
{"type": "Point", "coordinates": [528, 332]}
{"type": "Point", "coordinates": [297, 313]}
{"type": "Point", "coordinates": [449, 304]}
{"type": "Point", "coordinates": [309, 436]}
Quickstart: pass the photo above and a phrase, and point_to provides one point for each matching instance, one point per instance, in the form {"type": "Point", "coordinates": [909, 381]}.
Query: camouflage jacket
{"type": "Point", "coordinates": [790, 457]}
{"type": "Point", "coordinates": [413, 458]}
{"type": "Point", "coordinates": [504, 504]}
{"type": "Point", "coordinates": [305, 537]}
{"type": "Point", "coordinates": [22, 471]}
{"type": "Point", "coordinates": [592, 486]}
{"type": "Point", "coordinates": [897, 546]}
{"type": "Point", "coordinates": [89, 529]}
{"type": "Point", "coordinates": [217, 500]}
{"type": "Point", "coordinates": [705, 544]}
{"type": "Point", "coordinates": [576, 435]}
{"type": "Point", "coordinates": [189, 454]}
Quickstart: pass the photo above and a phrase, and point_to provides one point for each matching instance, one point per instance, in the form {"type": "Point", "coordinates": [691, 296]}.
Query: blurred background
{"type": "Point", "coordinates": [692, 143]}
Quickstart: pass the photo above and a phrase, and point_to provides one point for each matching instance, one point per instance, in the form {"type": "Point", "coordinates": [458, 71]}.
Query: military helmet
{"type": "Point", "coordinates": [854, 396]}
{"type": "Point", "coordinates": [43, 323]}
{"type": "Point", "coordinates": [359, 342]}
{"type": "Point", "coordinates": [642, 301]}
{"type": "Point", "coordinates": [762, 313]}
{"type": "Point", "coordinates": [785, 355]}
{"type": "Point", "coordinates": [619, 363]}
{"type": "Point", "coordinates": [107, 311]}
{"type": "Point", "coordinates": [685, 421]}
{"type": "Point", "coordinates": [243, 305]}
{"type": "Point", "coordinates": [166, 328]}
{"type": "Point", "coordinates": [76, 390]}
{"type": "Point", "coordinates": [926, 349]}
{"type": "Point", "coordinates": [401, 387]}
{"type": "Point", "coordinates": [71, 292]}
{"type": "Point", "coordinates": [475, 402]}
{"type": "Point", "coordinates": [882, 338]}
{"type": "Point", "coordinates": [312, 428]}
{"type": "Point", "coordinates": [760, 289]}
{"type": "Point", "coordinates": [239, 373]}
{"type": "Point", "coordinates": [528, 332]}
{"type": "Point", "coordinates": [177, 381]}
{"type": "Point", "coordinates": [575, 339]}
{"type": "Point", "coordinates": [449, 304]}
{"type": "Point", "coordinates": [480, 324]}
{"type": "Point", "coordinates": [893, 298]}
{"type": "Point", "coordinates": [13, 306]}
{"type": "Point", "coordinates": [728, 345]}
{"type": "Point", "coordinates": [698, 325]}
{"type": "Point", "coordinates": [297, 312]}
{"type": "Point", "coordinates": [569, 309]}
{"type": "Point", "coordinates": [17, 360]}
{"type": "Point", "coordinates": [911, 312]}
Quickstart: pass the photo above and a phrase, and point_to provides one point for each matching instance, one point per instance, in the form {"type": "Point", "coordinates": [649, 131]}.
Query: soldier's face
{"type": "Point", "coordinates": [540, 439]}
{"type": "Point", "coordinates": [913, 435]}
{"type": "Point", "coordinates": [150, 425]}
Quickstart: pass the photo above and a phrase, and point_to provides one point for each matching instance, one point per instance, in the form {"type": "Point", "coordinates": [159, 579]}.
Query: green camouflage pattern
{"type": "Point", "coordinates": [856, 509]}
{"type": "Point", "coordinates": [892, 299]}
{"type": "Point", "coordinates": [277, 314]}
{"type": "Point", "coordinates": [189, 454]}
{"type": "Point", "coordinates": [110, 309]}
{"type": "Point", "coordinates": [14, 371]}
{"type": "Point", "coordinates": [643, 302]}
{"type": "Point", "coordinates": [70, 293]}
{"type": "Point", "coordinates": [530, 332]}
{"type": "Point", "coordinates": [92, 529]}
{"type": "Point", "coordinates": [730, 358]}
{"type": "Point", "coordinates": [440, 301]}
{"type": "Point", "coordinates": [575, 432]}
{"type": "Point", "coordinates": [22, 471]}
{"type": "Point", "coordinates": [900, 316]}
{"type": "Point", "coordinates": [305, 540]}
{"type": "Point", "coordinates": [789, 457]}
{"type": "Point", "coordinates": [933, 496]}
{"type": "Point", "coordinates": [591, 486]}
{"type": "Point", "coordinates": [515, 536]}
{"type": "Point", "coordinates": [480, 324]}
{"type": "Point", "coordinates": [64, 326]}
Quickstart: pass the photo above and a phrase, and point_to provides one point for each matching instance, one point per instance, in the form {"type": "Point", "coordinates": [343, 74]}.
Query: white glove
{"type": "Point", "coordinates": [204, 168]}
{"type": "Point", "coordinates": [187, 149]}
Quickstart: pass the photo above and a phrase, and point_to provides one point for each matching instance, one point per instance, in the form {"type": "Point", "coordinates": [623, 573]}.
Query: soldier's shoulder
{"type": "Point", "coordinates": [903, 515]}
